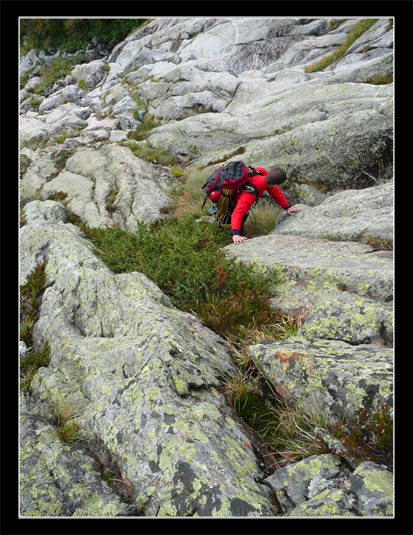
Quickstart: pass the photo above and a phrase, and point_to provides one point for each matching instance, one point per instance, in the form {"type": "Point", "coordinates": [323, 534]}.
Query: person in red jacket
{"type": "Point", "coordinates": [268, 181]}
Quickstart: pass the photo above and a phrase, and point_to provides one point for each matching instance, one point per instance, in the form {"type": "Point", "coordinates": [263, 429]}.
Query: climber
{"type": "Point", "coordinates": [267, 181]}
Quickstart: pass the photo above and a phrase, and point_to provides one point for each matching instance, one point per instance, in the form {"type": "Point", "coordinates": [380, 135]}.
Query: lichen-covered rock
{"type": "Point", "coordinates": [36, 175]}
{"type": "Point", "coordinates": [104, 187]}
{"type": "Point", "coordinates": [373, 485]}
{"type": "Point", "coordinates": [321, 263]}
{"type": "Point", "coordinates": [368, 491]}
{"type": "Point", "coordinates": [321, 133]}
{"type": "Point", "coordinates": [329, 503]}
{"type": "Point", "coordinates": [57, 479]}
{"type": "Point", "coordinates": [350, 318]}
{"type": "Point", "coordinates": [141, 188]}
{"type": "Point", "coordinates": [300, 481]}
{"type": "Point", "coordinates": [349, 215]}
{"type": "Point", "coordinates": [220, 84]}
{"type": "Point", "coordinates": [91, 73]}
{"type": "Point", "coordinates": [332, 375]}
{"type": "Point", "coordinates": [145, 378]}
{"type": "Point", "coordinates": [343, 290]}
{"type": "Point", "coordinates": [48, 210]}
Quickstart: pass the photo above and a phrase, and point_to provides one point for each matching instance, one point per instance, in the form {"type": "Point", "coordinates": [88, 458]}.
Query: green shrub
{"type": "Point", "coordinates": [144, 129]}
{"type": "Point", "coordinates": [187, 198]}
{"type": "Point", "coordinates": [29, 365]}
{"type": "Point", "coordinates": [149, 153]}
{"type": "Point", "coordinates": [57, 69]}
{"type": "Point", "coordinates": [35, 102]}
{"type": "Point", "coordinates": [82, 84]}
{"type": "Point", "coordinates": [380, 79]}
{"type": "Point", "coordinates": [25, 163]}
{"type": "Point", "coordinates": [184, 258]}
{"type": "Point", "coordinates": [176, 172]}
{"type": "Point", "coordinates": [61, 159]}
{"type": "Point", "coordinates": [370, 437]}
{"type": "Point", "coordinates": [110, 206]}
{"type": "Point", "coordinates": [74, 34]}
{"type": "Point", "coordinates": [30, 301]}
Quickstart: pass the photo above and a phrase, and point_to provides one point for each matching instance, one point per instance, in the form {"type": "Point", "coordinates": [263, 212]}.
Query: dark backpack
{"type": "Point", "coordinates": [232, 176]}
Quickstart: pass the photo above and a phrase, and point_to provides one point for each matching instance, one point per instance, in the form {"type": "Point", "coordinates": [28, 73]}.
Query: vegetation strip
{"type": "Point", "coordinates": [183, 256]}
{"type": "Point", "coordinates": [30, 301]}
{"type": "Point", "coordinates": [353, 35]}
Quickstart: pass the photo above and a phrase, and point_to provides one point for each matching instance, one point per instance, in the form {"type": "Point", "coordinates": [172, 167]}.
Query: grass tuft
{"type": "Point", "coordinates": [67, 424]}
{"type": "Point", "coordinates": [30, 300]}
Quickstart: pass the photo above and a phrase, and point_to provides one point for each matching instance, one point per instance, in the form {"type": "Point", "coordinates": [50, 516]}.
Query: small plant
{"type": "Point", "coordinates": [294, 434]}
{"type": "Point", "coordinates": [380, 79]}
{"type": "Point", "coordinates": [82, 84]}
{"type": "Point", "coordinates": [239, 387]}
{"type": "Point", "coordinates": [369, 436]}
{"type": "Point", "coordinates": [54, 71]}
{"type": "Point", "coordinates": [61, 138]}
{"type": "Point", "coordinates": [335, 23]}
{"type": "Point", "coordinates": [144, 130]}
{"type": "Point", "coordinates": [35, 103]}
{"type": "Point", "coordinates": [67, 424]}
{"type": "Point", "coordinates": [25, 162]}
{"type": "Point", "coordinates": [149, 153]}
{"type": "Point", "coordinates": [30, 364]}
{"type": "Point", "coordinates": [263, 217]}
{"type": "Point", "coordinates": [379, 244]}
{"type": "Point", "coordinates": [59, 196]}
{"type": "Point", "coordinates": [110, 206]}
{"type": "Point", "coordinates": [30, 300]}
{"type": "Point", "coordinates": [61, 159]}
{"type": "Point", "coordinates": [176, 172]}
{"type": "Point", "coordinates": [187, 197]}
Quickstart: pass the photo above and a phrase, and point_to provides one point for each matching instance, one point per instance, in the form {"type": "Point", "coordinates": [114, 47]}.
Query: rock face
{"type": "Point", "coordinates": [351, 215]}
{"type": "Point", "coordinates": [158, 436]}
{"type": "Point", "coordinates": [343, 291]}
{"type": "Point", "coordinates": [322, 486]}
{"type": "Point", "coordinates": [330, 374]}
{"type": "Point", "coordinates": [219, 85]}
{"type": "Point", "coordinates": [144, 377]}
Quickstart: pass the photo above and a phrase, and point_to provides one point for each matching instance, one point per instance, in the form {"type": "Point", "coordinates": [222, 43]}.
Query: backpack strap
{"type": "Point", "coordinates": [249, 187]}
{"type": "Point", "coordinates": [252, 171]}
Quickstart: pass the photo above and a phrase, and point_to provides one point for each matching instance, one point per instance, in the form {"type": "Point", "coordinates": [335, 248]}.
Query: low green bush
{"type": "Point", "coordinates": [57, 69]}
{"type": "Point", "coordinates": [74, 34]}
{"type": "Point", "coordinates": [29, 365]}
{"type": "Point", "coordinates": [148, 123]}
{"type": "Point", "coordinates": [149, 153]}
{"type": "Point", "coordinates": [30, 301]}
{"type": "Point", "coordinates": [370, 436]}
{"type": "Point", "coordinates": [185, 259]}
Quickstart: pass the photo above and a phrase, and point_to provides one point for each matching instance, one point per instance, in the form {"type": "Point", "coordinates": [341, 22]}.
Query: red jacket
{"type": "Point", "coordinates": [245, 200]}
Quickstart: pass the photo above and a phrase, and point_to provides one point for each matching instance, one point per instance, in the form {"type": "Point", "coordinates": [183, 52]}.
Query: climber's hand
{"type": "Point", "coordinates": [238, 239]}
{"type": "Point", "coordinates": [293, 210]}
